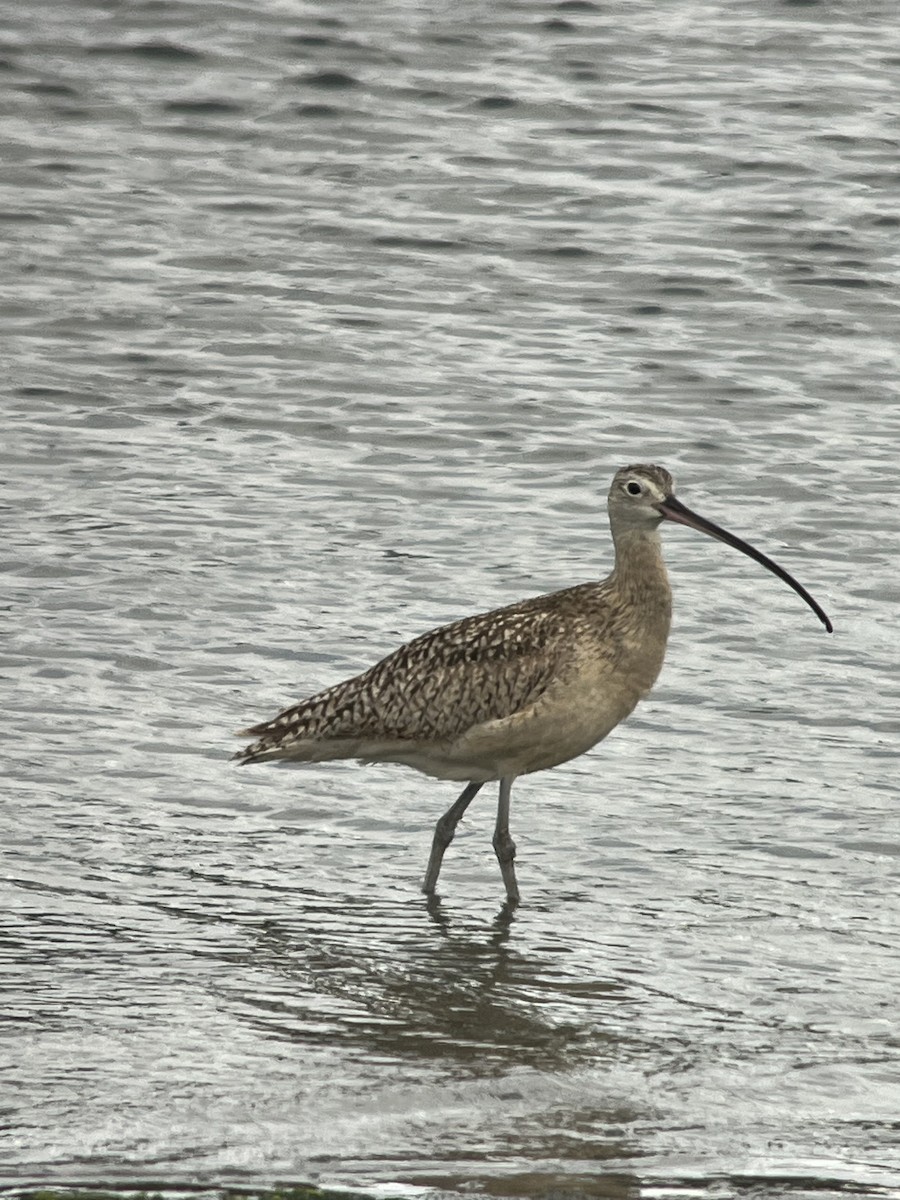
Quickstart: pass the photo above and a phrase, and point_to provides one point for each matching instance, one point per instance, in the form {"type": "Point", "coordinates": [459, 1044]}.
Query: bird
{"type": "Point", "coordinates": [519, 689]}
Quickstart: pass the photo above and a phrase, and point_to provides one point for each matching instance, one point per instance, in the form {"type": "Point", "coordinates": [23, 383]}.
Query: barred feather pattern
{"type": "Point", "coordinates": [444, 682]}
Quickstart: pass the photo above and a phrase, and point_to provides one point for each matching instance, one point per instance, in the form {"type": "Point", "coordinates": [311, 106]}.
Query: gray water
{"type": "Point", "coordinates": [324, 324]}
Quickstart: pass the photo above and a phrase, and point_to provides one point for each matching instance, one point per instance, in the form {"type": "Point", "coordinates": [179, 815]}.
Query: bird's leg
{"type": "Point", "coordinates": [443, 834]}
{"type": "Point", "coordinates": [504, 846]}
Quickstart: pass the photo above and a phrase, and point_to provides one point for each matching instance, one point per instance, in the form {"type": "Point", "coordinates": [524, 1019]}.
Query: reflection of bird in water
{"type": "Point", "coordinates": [516, 690]}
{"type": "Point", "coordinates": [455, 991]}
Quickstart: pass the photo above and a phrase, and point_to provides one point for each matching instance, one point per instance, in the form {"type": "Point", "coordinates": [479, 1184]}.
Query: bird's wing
{"type": "Point", "coordinates": [435, 687]}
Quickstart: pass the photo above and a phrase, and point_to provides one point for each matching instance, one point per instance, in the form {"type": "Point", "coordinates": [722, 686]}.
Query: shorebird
{"type": "Point", "coordinates": [515, 690]}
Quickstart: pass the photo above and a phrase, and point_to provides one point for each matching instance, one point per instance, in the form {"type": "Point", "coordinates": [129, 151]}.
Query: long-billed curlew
{"type": "Point", "coordinates": [516, 690]}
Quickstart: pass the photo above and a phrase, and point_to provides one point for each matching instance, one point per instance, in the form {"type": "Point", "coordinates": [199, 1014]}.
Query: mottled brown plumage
{"type": "Point", "coordinates": [515, 690]}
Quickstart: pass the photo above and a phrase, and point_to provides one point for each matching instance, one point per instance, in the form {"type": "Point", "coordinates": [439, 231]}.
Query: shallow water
{"type": "Point", "coordinates": [325, 325]}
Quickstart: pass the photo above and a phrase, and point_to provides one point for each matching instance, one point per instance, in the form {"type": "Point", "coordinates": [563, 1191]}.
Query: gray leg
{"type": "Point", "coordinates": [443, 834]}
{"type": "Point", "coordinates": [504, 846]}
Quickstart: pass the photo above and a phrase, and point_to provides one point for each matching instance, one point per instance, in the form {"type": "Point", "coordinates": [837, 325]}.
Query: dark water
{"type": "Point", "coordinates": [323, 324]}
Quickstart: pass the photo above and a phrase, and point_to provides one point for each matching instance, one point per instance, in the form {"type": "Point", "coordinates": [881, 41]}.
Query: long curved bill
{"type": "Point", "coordinates": [674, 510]}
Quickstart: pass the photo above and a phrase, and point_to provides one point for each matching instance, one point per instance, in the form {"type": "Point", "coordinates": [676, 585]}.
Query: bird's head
{"type": "Point", "coordinates": [637, 494]}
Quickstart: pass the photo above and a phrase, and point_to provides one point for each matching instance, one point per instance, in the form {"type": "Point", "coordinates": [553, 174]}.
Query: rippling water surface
{"type": "Point", "coordinates": [323, 324]}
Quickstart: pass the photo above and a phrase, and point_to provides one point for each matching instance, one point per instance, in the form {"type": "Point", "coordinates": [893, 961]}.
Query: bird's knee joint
{"type": "Point", "coordinates": [445, 829]}
{"type": "Point", "coordinates": [504, 847]}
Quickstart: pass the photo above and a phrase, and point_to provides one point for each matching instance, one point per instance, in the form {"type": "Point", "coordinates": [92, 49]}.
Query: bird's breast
{"type": "Point", "coordinates": [576, 711]}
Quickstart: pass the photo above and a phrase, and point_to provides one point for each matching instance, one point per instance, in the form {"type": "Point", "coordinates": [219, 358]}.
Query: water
{"type": "Point", "coordinates": [325, 324]}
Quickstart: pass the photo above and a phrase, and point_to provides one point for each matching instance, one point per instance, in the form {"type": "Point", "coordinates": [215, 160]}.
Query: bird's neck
{"type": "Point", "coordinates": [640, 573]}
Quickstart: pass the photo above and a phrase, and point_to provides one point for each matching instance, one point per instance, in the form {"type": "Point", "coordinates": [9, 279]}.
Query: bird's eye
{"type": "Point", "coordinates": [632, 488]}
